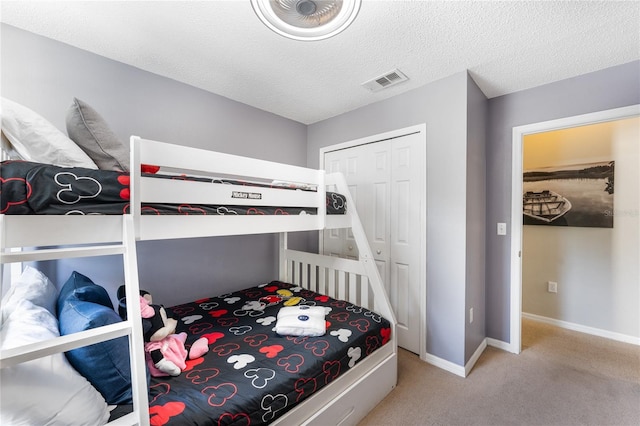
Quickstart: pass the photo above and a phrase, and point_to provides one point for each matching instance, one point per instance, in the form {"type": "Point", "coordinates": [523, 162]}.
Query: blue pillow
{"type": "Point", "coordinates": [106, 364]}
{"type": "Point", "coordinates": [82, 288]}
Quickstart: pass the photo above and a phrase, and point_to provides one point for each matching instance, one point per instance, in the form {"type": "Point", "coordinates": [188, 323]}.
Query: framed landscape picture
{"type": "Point", "coordinates": [568, 178]}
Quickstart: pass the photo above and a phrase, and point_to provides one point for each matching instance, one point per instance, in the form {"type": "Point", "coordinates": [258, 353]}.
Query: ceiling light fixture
{"type": "Point", "coordinates": [307, 19]}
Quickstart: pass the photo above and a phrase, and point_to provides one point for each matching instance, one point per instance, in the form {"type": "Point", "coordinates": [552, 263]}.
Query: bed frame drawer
{"type": "Point", "coordinates": [355, 401]}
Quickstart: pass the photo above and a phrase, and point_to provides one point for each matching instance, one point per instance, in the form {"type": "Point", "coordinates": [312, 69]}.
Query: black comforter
{"type": "Point", "coordinates": [251, 375]}
{"type": "Point", "coordinates": [34, 188]}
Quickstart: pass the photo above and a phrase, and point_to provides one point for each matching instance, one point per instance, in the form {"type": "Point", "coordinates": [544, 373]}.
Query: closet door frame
{"type": "Point", "coordinates": [422, 130]}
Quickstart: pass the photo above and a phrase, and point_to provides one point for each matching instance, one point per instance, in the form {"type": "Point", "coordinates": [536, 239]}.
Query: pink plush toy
{"type": "Point", "coordinates": [166, 353]}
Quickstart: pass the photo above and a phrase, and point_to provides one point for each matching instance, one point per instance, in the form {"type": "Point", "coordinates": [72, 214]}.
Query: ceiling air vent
{"type": "Point", "coordinates": [388, 79]}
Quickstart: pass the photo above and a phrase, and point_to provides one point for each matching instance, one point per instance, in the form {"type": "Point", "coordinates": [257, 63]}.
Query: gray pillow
{"type": "Point", "coordinates": [91, 133]}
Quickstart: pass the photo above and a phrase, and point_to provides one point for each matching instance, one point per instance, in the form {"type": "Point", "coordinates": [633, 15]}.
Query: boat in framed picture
{"type": "Point", "coordinates": [569, 195]}
{"type": "Point", "coordinates": [545, 206]}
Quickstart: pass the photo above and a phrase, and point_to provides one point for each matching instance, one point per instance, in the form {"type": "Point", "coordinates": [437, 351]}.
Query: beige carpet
{"type": "Point", "coordinates": [561, 377]}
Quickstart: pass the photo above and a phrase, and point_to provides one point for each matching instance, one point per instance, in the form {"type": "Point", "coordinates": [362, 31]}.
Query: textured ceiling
{"type": "Point", "coordinates": [222, 47]}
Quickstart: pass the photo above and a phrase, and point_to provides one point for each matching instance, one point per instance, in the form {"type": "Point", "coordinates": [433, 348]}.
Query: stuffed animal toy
{"type": "Point", "coordinates": [166, 352]}
{"type": "Point", "coordinates": [122, 300]}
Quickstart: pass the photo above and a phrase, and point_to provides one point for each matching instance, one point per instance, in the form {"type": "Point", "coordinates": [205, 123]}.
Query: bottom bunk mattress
{"type": "Point", "coordinates": [252, 375]}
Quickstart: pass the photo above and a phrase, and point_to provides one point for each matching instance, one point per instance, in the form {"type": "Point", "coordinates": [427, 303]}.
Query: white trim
{"type": "Point", "coordinates": [584, 329]}
{"type": "Point", "coordinates": [372, 139]}
{"type": "Point", "coordinates": [499, 344]}
{"type": "Point", "coordinates": [419, 128]}
{"type": "Point", "coordinates": [455, 368]}
{"type": "Point", "coordinates": [474, 358]}
{"type": "Point", "coordinates": [449, 366]}
{"type": "Point", "coordinates": [519, 132]}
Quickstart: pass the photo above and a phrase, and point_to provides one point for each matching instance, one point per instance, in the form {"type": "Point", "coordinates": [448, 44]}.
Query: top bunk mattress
{"type": "Point", "coordinates": [42, 189]}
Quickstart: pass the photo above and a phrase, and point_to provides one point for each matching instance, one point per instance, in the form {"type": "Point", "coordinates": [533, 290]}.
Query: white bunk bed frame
{"type": "Point", "coordinates": [344, 401]}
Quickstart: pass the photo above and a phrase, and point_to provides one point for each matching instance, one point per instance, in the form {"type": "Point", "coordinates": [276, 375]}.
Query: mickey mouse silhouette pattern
{"type": "Point", "coordinates": [34, 188]}
{"type": "Point", "coordinates": [252, 375]}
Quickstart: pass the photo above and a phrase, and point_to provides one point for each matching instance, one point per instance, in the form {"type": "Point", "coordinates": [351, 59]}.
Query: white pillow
{"type": "Point", "coordinates": [35, 139]}
{"type": "Point", "coordinates": [45, 391]}
{"type": "Point", "coordinates": [33, 286]}
{"type": "Point", "coordinates": [8, 151]}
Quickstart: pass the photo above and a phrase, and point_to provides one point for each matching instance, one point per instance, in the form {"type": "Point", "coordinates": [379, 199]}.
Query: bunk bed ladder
{"type": "Point", "coordinates": [355, 281]}
{"type": "Point", "coordinates": [132, 327]}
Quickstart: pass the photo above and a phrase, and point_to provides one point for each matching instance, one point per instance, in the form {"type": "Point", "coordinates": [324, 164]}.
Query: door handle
{"type": "Point", "coordinates": [378, 251]}
{"type": "Point", "coordinates": [350, 247]}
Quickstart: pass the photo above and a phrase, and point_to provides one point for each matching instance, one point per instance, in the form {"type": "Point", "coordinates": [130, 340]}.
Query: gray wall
{"type": "Point", "coordinates": [606, 89]}
{"type": "Point", "coordinates": [477, 106]}
{"type": "Point", "coordinates": [442, 105]}
{"type": "Point", "coordinates": [45, 75]}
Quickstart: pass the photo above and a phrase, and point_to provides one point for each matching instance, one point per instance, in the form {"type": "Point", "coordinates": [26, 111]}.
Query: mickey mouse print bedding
{"type": "Point", "coordinates": [252, 375]}
{"type": "Point", "coordinates": [32, 188]}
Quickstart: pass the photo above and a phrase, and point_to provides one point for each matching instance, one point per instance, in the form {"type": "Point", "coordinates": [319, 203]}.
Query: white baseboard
{"type": "Point", "coordinates": [584, 329]}
{"type": "Point", "coordinates": [456, 369]}
{"type": "Point", "coordinates": [499, 344]}
{"type": "Point", "coordinates": [449, 366]}
{"type": "Point", "coordinates": [474, 358]}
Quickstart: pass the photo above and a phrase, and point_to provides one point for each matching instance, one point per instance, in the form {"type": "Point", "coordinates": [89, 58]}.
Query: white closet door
{"type": "Point", "coordinates": [407, 195]}
{"type": "Point", "coordinates": [386, 181]}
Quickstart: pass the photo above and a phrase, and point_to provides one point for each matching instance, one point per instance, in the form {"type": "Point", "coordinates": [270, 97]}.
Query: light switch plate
{"type": "Point", "coordinates": [502, 228]}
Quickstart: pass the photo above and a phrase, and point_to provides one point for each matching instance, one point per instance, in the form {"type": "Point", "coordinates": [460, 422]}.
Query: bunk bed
{"type": "Point", "coordinates": [343, 286]}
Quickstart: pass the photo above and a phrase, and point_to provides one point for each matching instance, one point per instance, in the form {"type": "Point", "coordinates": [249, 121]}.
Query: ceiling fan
{"type": "Point", "coordinates": [307, 20]}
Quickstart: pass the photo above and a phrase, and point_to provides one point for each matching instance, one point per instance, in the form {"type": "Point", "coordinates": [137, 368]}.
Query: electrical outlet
{"type": "Point", "coordinates": [552, 287]}
{"type": "Point", "coordinates": [470, 315]}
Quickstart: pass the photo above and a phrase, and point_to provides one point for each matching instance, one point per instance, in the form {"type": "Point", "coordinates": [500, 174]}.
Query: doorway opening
{"type": "Point", "coordinates": [519, 134]}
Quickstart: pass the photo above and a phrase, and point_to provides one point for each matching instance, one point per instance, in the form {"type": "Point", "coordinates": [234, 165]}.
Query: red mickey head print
{"type": "Point", "coordinates": [213, 337]}
{"type": "Point", "coordinates": [220, 394]}
{"type": "Point", "coordinates": [340, 316]}
{"type": "Point", "coordinates": [318, 347]}
{"type": "Point", "coordinates": [161, 389]}
{"type": "Point", "coordinates": [199, 377]}
{"type": "Point", "coordinates": [228, 321]}
{"type": "Point", "coordinates": [361, 324]}
{"type": "Point", "coordinates": [160, 415]}
{"type": "Point", "coordinates": [331, 370]}
{"type": "Point", "coordinates": [125, 180]}
{"type": "Point", "coordinates": [256, 339]}
{"type": "Point", "coordinates": [182, 310]}
{"type": "Point", "coordinates": [225, 349]}
{"type": "Point", "coordinates": [386, 335]}
{"type": "Point", "coordinates": [291, 363]}
{"type": "Point", "coordinates": [191, 363]}
{"type": "Point", "coordinates": [271, 351]}
{"type": "Point", "coordinates": [305, 387]}
{"type": "Point", "coordinates": [21, 184]}
{"type": "Point", "coordinates": [239, 419]}
{"type": "Point", "coordinates": [372, 343]}
{"type": "Point", "coordinates": [187, 209]}
{"type": "Point", "coordinates": [218, 313]}
{"type": "Point", "coordinates": [199, 327]}
{"type": "Point", "coordinates": [271, 299]}
{"type": "Point", "coordinates": [149, 210]}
